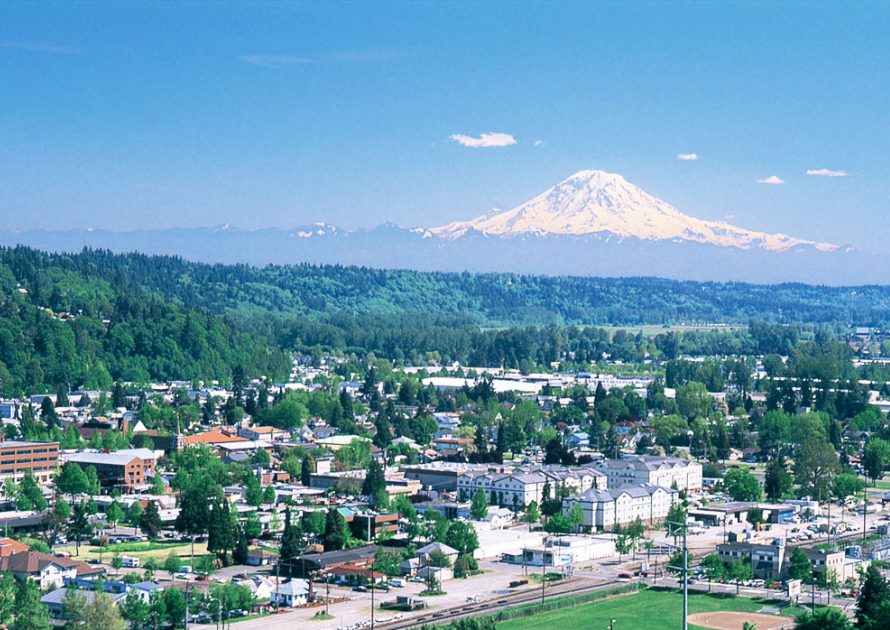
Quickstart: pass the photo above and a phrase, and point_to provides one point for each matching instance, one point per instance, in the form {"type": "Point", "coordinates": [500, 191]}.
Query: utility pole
{"type": "Point", "coordinates": [372, 599]}
{"type": "Point", "coordinates": [543, 578]}
{"type": "Point", "coordinates": [684, 569]}
{"type": "Point", "coordinates": [864, 509]}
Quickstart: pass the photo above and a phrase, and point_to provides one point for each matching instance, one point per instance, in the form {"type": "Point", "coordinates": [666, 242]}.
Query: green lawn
{"type": "Point", "coordinates": [647, 610]}
{"type": "Point", "coordinates": [151, 550]}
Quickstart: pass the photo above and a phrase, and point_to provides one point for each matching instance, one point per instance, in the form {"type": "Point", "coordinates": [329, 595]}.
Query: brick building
{"type": "Point", "coordinates": [17, 457]}
{"type": "Point", "coordinates": [124, 469]}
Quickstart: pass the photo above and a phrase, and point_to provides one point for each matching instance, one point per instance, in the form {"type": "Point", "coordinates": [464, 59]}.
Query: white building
{"type": "Point", "coordinates": [293, 593]}
{"type": "Point", "coordinates": [559, 551]}
{"type": "Point", "coordinates": [669, 472]}
{"type": "Point", "coordinates": [603, 509]}
{"type": "Point", "coordinates": [520, 487]}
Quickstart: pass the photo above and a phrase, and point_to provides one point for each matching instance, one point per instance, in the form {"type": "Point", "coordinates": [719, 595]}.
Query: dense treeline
{"type": "Point", "coordinates": [71, 325]}
{"type": "Point", "coordinates": [491, 299]}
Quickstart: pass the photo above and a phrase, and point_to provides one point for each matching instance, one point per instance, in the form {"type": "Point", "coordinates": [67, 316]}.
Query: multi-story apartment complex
{"type": "Point", "coordinates": [17, 457]}
{"type": "Point", "coordinates": [525, 484]}
{"type": "Point", "coordinates": [668, 472]}
{"type": "Point", "coordinates": [604, 509]}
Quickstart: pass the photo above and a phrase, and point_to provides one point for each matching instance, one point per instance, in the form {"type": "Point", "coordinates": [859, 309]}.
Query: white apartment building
{"type": "Point", "coordinates": [603, 509]}
{"type": "Point", "coordinates": [523, 485]}
{"type": "Point", "coordinates": [668, 472]}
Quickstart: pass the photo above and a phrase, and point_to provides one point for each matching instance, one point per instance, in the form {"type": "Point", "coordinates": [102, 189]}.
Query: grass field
{"type": "Point", "coordinates": [651, 609]}
{"type": "Point", "coordinates": [152, 550]}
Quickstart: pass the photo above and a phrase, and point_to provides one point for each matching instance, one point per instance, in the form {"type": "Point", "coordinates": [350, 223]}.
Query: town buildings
{"type": "Point", "coordinates": [669, 472]}
{"type": "Point", "coordinates": [604, 509]}
{"type": "Point", "coordinates": [125, 469]}
{"type": "Point", "coordinates": [18, 457]}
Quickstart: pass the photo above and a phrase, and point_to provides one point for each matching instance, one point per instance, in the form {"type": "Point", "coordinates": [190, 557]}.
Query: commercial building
{"type": "Point", "coordinates": [668, 472]}
{"type": "Point", "coordinates": [125, 469]}
{"type": "Point", "coordinates": [560, 551]}
{"type": "Point", "coordinates": [18, 457]}
{"type": "Point", "coordinates": [604, 509]}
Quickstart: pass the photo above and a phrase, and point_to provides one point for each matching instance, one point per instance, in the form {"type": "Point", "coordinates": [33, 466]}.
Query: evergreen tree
{"type": "Point", "coordinates": [290, 538]}
{"type": "Point", "coordinates": [375, 480]}
{"type": "Point", "coordinates": [479, 508]}
{"type": "Point", "coordinates": [873, 593]}
{"type": "Point", "coordinates": [239, 553]}
{"type": "Point", "coordinates": [334, 530]}
{"type": "Point", "coordinates": [346, 404]}
{"type": "Point", "coordinates": [307, 468]}
{"type": "Point", "coordinates": [151, 523]}
{"type": "Point", "coordinates": [220, 533]}
{"type": "Point", "coordinates": [118, 397]}
{"type": "Point", "coordinates": [62, 396]}
{"type": "Point", "coordinates": [79, 527]}
{"type": "Point", "coordinates": [778, 480]}
{"type": "Point", "coordinates": [48, 413]}
{"type": "Point", "coordinates": [383, 437]}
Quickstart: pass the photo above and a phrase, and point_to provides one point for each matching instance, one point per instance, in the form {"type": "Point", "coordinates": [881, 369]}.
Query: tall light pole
{"type": "Point", "coordinates": [684, 569]}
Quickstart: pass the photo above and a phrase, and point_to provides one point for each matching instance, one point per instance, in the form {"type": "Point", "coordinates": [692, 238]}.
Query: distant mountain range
{"type": "Point", "coordinates": [593, 223]}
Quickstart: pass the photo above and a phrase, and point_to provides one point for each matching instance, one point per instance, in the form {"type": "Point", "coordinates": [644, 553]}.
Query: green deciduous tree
{"type": "Point", "coordinates": [72, 479]}
{"type": "Point", "coordinates": [799, 566]}
{"type": "Point", "coordinates": [815, 467]}
{"type": "Point", "coordinates": [7, 597]}
{"type": "Point", "coordinates": [876, 457]}
{"type": "Point", "coordinates": [30, 612]}
{"type": "Point", "coordinates": [742, 485]}
{"type": "Point", "coordinates": [823, 619]}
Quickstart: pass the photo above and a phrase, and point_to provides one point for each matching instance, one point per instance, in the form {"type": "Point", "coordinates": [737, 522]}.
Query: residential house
{"type": "Point", "coordinates": [292, 593]}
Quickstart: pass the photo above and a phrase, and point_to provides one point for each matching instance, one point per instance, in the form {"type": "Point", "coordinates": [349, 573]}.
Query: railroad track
{"type": "Point", "coordinates": [507, 600]}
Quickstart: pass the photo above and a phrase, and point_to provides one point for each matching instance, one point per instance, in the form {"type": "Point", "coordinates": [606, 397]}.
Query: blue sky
{"type": "Point", "coordinates": [128, 115]}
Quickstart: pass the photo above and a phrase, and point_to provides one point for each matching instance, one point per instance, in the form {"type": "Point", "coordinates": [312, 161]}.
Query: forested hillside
{"type": "Point", "coordinates": [492, 299]}
{"type": "Point", "coordinates": [84, 325]}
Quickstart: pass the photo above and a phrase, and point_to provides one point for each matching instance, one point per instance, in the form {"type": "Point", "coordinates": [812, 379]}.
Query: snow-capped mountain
{"type": "Point", "coordinates": [593, 223]}
{"type": "Point", "coordinates": [596, 202]}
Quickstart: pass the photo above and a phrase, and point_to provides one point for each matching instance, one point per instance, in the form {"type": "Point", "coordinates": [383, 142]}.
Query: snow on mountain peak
{"type": "Point", "coordinates": [593, 201]}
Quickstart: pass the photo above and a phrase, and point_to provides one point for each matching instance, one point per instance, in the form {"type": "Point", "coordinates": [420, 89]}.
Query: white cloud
{"type": "Point", "coordinates": [689, 157]}
{"type": "Point", "coordinates": [772, 179]}
{"type": "Point", "coordinates": [729, 216]}
{"type": "Point", "coordinates": [539, 143]}
{"type": "Point", "coordinates": [275, 61]}
{"type": "Point", "coordinates": [824, 172]}
{"type": "Point", "coordinates": [485, 140]}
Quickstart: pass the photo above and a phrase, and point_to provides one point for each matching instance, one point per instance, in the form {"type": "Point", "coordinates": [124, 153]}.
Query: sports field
{"type": "Point", "coordinates": [647, 610]}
